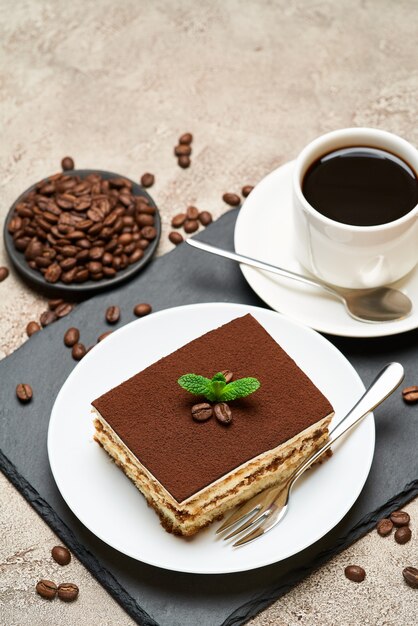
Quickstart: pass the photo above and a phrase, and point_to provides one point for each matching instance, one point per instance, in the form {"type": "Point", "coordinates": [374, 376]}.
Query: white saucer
{"type": "Point", "coordinates": [264, 230]}
{"type": "Point", "coordinates": [111, 507]}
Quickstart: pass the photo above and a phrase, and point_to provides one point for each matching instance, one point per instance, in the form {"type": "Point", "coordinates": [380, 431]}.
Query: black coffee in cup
{"type": "Point", "coordinates": [361, 186]}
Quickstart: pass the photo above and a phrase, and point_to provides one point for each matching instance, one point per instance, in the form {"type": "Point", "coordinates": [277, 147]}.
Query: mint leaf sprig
{"type": "Point", "coordinates": [217, 389]}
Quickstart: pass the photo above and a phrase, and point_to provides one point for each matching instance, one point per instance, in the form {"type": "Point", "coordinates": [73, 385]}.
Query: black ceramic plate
{"type": "Point", "coordinates": [90, 287]}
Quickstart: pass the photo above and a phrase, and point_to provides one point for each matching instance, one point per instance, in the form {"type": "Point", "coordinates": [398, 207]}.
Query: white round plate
{"type": "Point", "coordinates": [264, 231]}
{"type": "Point", "coordinates": [106, 501]}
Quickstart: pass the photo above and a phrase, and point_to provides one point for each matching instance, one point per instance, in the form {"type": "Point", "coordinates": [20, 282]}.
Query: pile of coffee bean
{"type": "Point", "coordinates": [398, 519]}
{"type": "Point", "coordinates": [4, 272]}
{"type": "Point", "coordinates": [190, 221]}
{"type": "Point", "coordinates": [183, 150]}
{"type": "Point", "coordinates": [73, 230]}
{"type": "Point", "coordinates": [68, 592]}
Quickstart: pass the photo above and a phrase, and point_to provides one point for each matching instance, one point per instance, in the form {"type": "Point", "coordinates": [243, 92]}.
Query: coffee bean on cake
{"type": "Point", "coordinates": [202, 412]}
{"type": "Point", "coordinates": [66, 225]}
{"type": "Point", "coordinates": [223, 413]}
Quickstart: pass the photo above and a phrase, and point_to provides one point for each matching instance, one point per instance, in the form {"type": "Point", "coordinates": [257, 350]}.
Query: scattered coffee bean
{"type": "Point", "coordinates": [67, 163]}
{"type": "Point", "coordinates": [183, 150]}
{"type": "Point", "coordinates": [191, 226]}
{"type": "Point", "coordinates": [24, 392]}
{"type": "Point", "coordinates": [142, 309]}
{"type": "Point", "coordinates": [175, 237]}
{"type": "Point", "coordinates": [231, 198]}
{"type": "Point", "coordinates": [355, 573]}
{"type": "Point", "coordinates": [186, 138]}
{"type": "Point", "coordinates": [228, 375]}
{"type": "Point", "coordinates": [410, 575]}
{"type": "Point", "coordinates": [71, 337]}
{"type": "Point", "coordinates": [61, 555]}
{"type": "Point", "coordinates": [32, 328]}
{"type": "Point", "coordinates": [400, 518]}
{"type": "Point", "coordinates": [246, 190]}
{"type": "Point", "coordinates": [178, 220]}
{"type": "Point", "coordinates": [147, 179]}
{"type": "Point", "coordinates": [184, 162]}
{"type": "Point", "coordinates": [202, 412]}
{"type": "Point", "coordinates": [192, 213]}
{"type": "Point", "coordinates": [205, 218]}
{"type": "Point", "coordinates": [4, 272]}
{"type": "Point", "coordinates": [410, 394]}
{"type": "Point", "coordinates": [70, 228]}
{"type": "Point", "coordinates": [63, 309]}
{"type": "Point", "coordinates": [223, 413]}
{"type": "Point", "coordinates": [384, 527]}
{"type": "Point", "coordinates": [112, 314]}
{"type": "Point", "coordinates": [47, 317]}
{"type": "Point", "coordinates": [104, 335]}
{"type": "Point", "coordinates": [47, 589]}
{"type": "Point", "coordinates": [78, 351]}
{"type": "Point", "coordinates": [52, 304]}
{"type": "Point", "coordinates": [68, 592]}
{"type": "Point", "coordinates": [403, 534]}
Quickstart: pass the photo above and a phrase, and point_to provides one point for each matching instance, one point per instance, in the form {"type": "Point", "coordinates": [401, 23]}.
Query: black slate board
{"type": "Point", "coordinates": [151, 595]}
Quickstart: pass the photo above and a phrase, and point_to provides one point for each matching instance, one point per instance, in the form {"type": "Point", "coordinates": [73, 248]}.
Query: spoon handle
{"type": "Point", "coordinates": [274, 269]}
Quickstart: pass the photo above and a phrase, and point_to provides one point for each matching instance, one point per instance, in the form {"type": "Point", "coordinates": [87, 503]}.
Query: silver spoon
{"type": "Point", "coordinates": [381, 304]}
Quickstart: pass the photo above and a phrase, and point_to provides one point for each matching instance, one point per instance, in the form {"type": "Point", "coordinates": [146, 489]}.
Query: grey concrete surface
{"type": "Point", "coordinates": [113, 84]}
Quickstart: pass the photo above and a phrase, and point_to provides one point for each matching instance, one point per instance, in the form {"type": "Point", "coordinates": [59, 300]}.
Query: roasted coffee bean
{"type": "Point", "coordinates": [112, 314]}
{"type": "Point", "coordinates": [68, 592]}
{"type": "Point", "coordinates": [246, 190]}
{"type": "Point", "coordinates": [143, 244]}
{"type": "Point", "coordinates": [61, 555]}
{"type": "Point", "coordinates": [142, 309]}
{"type": "Point", "coordinates": [47, 317]}
{"type": "Point", "coordinates": [191, 226]}
{"type": "Point", "coordinates": [400, 518]}
{"type": "Point", "coordinates": [47, 589]}
{"type": "Point", "coordinates": [231, 198]}
{"type": "Point", "coordinates": [94, 267]}
{"type": "Point", "coordinates": [228, 375]}
{"type": "Point", "coordinates": [183, 150]}
{"type": "Point", "coordinates": [14, 224]}
{"type": "Point", "coordinates": [184, 161]}
{"type": "Point", "coordinates": [149, 232]}
{"type": "Point", "coordinates": [147, 179]}
{"type": "Point", "coordinates": [81, 275]}
{"type": "Point", "coordinates": [192, 213]}
{"type": "Point", "coordinates": [202, 412]}
{"type": "Point", "coordinates": [52, 304]}
{"type": "Point", "coordinates": [178, 220]}
{"type": "Point", "coordinates": [125, 239]}
{"type": "Point", "coordinates": [104, 335]}
{"type": "Point", "coordinates": [63, 309]}
{"type": "Point", "coordinates": [71, 337]}
{"type": "Point", "coordinates": [136, 256]}
{"type": "Point", "coordinates": [68, 264]}
{"type": "Point", "coordinates": [78, 351]}
{"type": "Point", "coordinates": [33, 250]}
{"type": "Point", "coordinates": [144, 219]}
{"type": "Point", "coordinates": [223, 413]}
{"type": "Point", "coordinates": [410, 575]}
{"type": "Point", "coordinates": [69, 276]}
{"type": "Point", "coordinates": [205, 218]}
{"type": "Point", "coordinates": [384, 527]}
{"type": "Point", "coordinates": [53, 273]}
{"type": "Point", "coordinates": [175, 237]}
{"type": "Point", "coordinates": [186, 138]}
{"type": "Point", "coordinates": [145, 208]}
{"type": "Point", "coordinates": [355, 573]}
{"type": "Point", "coordinates": [403, 534]}
{"type": "Point", "coordinates": [4, 272]}
{"type": "Point", "coordinates": [410, 394]}
{"type": "Point", "coordinates": [67, 163]}
{"type": "Point", "coordinates": [110, 272]}
{"type": "Point", "coordinates": [24, 392]}
{"type": "Point", "coordinates": [32, 328]}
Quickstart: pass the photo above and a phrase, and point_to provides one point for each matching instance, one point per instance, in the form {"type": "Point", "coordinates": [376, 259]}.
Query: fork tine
{"type": "Point", "coordinates": [240, 514]}
{"type": "Point", "coordinates": [275, 514]}
{"type": "Point", "coordinates": [259, 517]}
{"type": "Point", "coordinates": [258, 532]}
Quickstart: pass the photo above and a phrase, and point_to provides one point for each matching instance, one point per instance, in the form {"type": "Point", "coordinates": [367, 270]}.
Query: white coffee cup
{"type": "Point", "coordinates": [346, 255]}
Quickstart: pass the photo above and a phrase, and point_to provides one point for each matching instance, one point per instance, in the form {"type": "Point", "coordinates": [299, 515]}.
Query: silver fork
{"type": "Point", "coordinates": [267, 509]}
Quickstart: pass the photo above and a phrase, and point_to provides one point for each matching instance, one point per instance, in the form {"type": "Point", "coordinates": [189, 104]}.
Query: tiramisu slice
{"type": "Point", "coordinates": [190, 471]}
